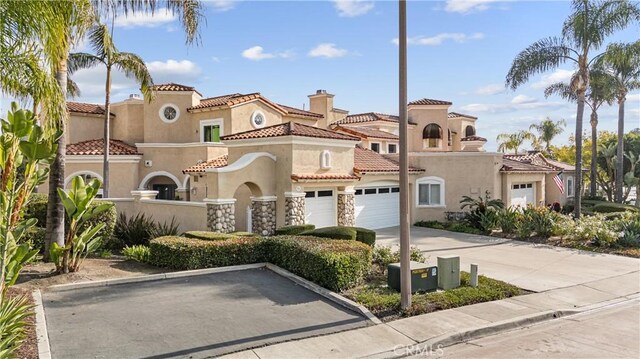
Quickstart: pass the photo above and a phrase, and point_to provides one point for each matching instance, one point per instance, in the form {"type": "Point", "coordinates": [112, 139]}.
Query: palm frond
{"type": "Point", "coordinates": [561, 89]}
{"type": "Point", "coordinates": [73, 90]}
{"type": "Point", "coordinates": [134, 67]}
{"type": "Point", "coordinates": [81, 60]}
{"type": "Point", "coordinates": [101, 41]}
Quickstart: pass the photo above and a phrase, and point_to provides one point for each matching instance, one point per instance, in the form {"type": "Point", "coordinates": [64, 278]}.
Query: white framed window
{"type": "Point", "coordinates": [392, 148]}
{"type": "Point", "coordinates": [375, 146]}
{"type": "Point", "coordinates": [325, 160]}
{"type": "Point", "coordinates": [258, 119]}
{"type": "Point", "coordinates": [430, 192]}
{"type": "Point", "coordinates": [211, 130]}
{"type": "Point", "coordinates": [169, 113]}
{"type": "Point", "coordinates": [570, 188]}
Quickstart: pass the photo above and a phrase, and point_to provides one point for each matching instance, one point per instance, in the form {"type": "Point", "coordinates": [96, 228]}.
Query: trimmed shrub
{"type": "Point", "coordinates": [607, 207]}
{"type": "Point", "coordinates": [365, 235]}
{"type": "Point", "coordinates": [244, 234]}
{"type": "Point", "coordinates": [333, 264]}
{"type": "Point", "coordinates": [294, 230]}
{"type": "Point", "coordinates": [463, 228]}
{"type": "Point", "coordinates": [208, 236]}
{"type": "Point", "coordinates": [430, 224]}
{"type": "Point", "coordinates": [344, 233]}
{"type": "Point", "coordinates": [190, 253]}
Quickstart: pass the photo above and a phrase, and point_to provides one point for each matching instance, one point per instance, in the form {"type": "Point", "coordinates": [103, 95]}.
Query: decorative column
{"type": "Point", "coordinates": [221, 215]}
{"type": "Point", "coordinates": [347, 208]}
{"type": "Point", "coordinates": [294, 208]}
{"type": "Point", "coordinates": [263, 215]}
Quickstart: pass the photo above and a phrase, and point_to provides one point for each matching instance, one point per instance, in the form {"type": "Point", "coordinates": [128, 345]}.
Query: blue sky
{"type": "Point", "coordinates": [459, 51]}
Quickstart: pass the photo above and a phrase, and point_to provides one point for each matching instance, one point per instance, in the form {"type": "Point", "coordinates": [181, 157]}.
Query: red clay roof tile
{"type": "Point", "coordinates": [366, 132]}
{"type": "Point", "coordinates": [457, 114]}
{"type": "Point", "coordinates": [290, 129]}
{"type": "Point", "coordinates": [368, 161]}
{"type": "Point", "coordinates": [220, 161]}
{"type": "Point", "coordinates": [316, 177]}
{"type": "Point", "coordinates": [428, 101]}
{"type": "Point", "coordinates": [89, 108]}
{"type": "Point", "coordinates": [95, 147]}
{"type": "Point", "coordinates": [174, 87]}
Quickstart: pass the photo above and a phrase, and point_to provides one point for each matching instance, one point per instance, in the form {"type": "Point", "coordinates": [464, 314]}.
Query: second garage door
{"type": "Point", "coordinates": [522, 195]}
{"type": "Point", "coordinates": [320, 208]}
{"type": "Point", "coordinates": [378, 207]}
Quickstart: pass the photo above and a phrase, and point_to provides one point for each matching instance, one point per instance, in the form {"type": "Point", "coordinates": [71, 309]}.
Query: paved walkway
{"type": "Point", "coordinates": [196, 317]}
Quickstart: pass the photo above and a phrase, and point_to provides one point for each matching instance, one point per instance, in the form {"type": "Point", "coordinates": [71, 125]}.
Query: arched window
{"type": "Point", "coordinates": [432, 135]}
{"type": "Point", "coordinates": [469, 131]}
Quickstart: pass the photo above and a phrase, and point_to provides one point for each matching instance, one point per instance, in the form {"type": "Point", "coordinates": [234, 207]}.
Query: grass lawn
{"type": "Point", "coordinates": [384, 302]}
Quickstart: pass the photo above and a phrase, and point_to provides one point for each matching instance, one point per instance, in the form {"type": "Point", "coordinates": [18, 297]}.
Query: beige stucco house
{"type": "Point", "coordinates": [243, 162]}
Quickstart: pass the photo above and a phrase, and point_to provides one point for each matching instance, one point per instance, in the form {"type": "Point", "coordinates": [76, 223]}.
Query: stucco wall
{"type": "Point", "coordinates": [423, 116]}
{"type": "Point", "coordinates": [180, 130]}
{"type": "Point", "coordinates": [189, 216]}
{"type": "Point", "coordinates": [129, 123]}
{"type": "Point", "coordinates": [83, 128]}
{"type": "Point", "coordinates": [553, 192]}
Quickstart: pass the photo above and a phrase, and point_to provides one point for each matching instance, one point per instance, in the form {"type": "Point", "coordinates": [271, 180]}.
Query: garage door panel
{"type": "Point", "coordinates": [522, 194]}
{"type": "Point", "coordinates": [377, 207]}
{"type": "Point", "coordinates": [320, 208]}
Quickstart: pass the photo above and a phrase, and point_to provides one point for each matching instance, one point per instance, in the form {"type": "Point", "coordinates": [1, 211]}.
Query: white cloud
{"type": "Point", "coordinates": [633, 98]}
{"type": "Point", "coordinates": [352, 8]}
{"type": "Point", "coordinates": [257, 53]}
{"type": "Point", "coordinates": [174, 71]}
{"type": "Point", "coordinates": [145, 19]}
{"type": "Point", "coordinates": [222, 5]}
{"type": "Point", "coordinates": [327, 50]}
{"type": "Point", "coordinates": [559, 75]}
{"type": "Point", "coordinates": [467, 6]}
{"type": "Point", "coordinates": [215, 59]}
{"type": "Point", "coordinates": [440, 38]}
{"type": "Point", "coordinates": [492, 89]}
{"type": "Point", "coordinates": [91, 83]}
{"type": "Point", "coordinates": [522, 99]}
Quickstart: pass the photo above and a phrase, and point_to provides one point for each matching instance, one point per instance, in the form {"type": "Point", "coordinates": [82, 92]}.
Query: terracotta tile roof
{"type": "Point", "coordinates": [365, 132]}
{"type": "Point", "coordinates": [367, 117]}
{"type": "Point", "coordinates": [89, 108]}
{"type": "Point", "coordinates": [95, 147]}
{"type": "Point", "coordinates": [220, 161]}
{"type": "Point", "coordinates": [512, 165]}
{"type": "Point", "coordinates": [562, 165]}
{"type": "Point", "coordinates": [290, 129]}
{"type": "Point", "coordinates": [428, 101]}
{"type": "Point", "coordinates": [316, 177]}
{"type": "Point", "coordinates": [368, 161]}
{"type": "Point", "coordinates": [458, 114]}
{"type": "Point", "coordinates": [174, 87]}
{"type": "Point", "coordinates": [473, 138]}
{"type": "Point", "coordinates": [538, 159]}
{"type": "Point", "coordinates": [301, 113]}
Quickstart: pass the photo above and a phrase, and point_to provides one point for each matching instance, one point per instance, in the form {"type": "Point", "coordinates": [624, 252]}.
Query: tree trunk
{"type": "Point", "coordinates": [578, 190]}
{"type": "Point", "coordinates": [55, 210]}
{"type": "Point", "coordinates": [594, 153]}
{"type": "Point", "coordinates": [107, 117]}
{"type": "Point", "coordinates": [620, 152]}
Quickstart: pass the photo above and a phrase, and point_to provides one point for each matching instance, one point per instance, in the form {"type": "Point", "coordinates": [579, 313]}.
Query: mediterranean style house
{"type": "Point", "coordinates": [241, 162]}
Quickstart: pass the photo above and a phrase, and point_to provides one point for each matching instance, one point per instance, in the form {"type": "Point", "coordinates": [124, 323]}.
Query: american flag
{"type": "Point", "coordinates": [558, 180]}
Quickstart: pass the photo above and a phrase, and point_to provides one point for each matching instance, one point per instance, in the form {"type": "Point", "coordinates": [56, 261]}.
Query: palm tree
{"type": "Point", "coordinates": [622, 62]}
{"type": "Point", "coordinates": [513, 141]}
{"type": "Point", "coordinates": [108, 55]}
{"type": "Point", "coordinates": [585, 30]}
{"type": "Point", "coordinates": [547, 131]}
{"type": "Point", "coordinates": [600, 91]}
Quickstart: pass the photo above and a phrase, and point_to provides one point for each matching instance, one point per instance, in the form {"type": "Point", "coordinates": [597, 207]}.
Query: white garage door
{"type": "Point", "coordinates": [378, 207]}
{"type": "Point", "coordinates": [320, 208]}
{"type": "Point", "coordinates": [522, 194]}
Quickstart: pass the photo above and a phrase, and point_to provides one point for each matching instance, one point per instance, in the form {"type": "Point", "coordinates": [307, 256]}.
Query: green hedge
{"type": "Point", "coordinates": [344, 233]}
{"type": "Point", "coordinates": [294, 230]}
{"type": "Point", "coordinates": [37, 208]}
{"type": "Point", "coordinates": [208, 236]}
{"type": "Point", "coordinates": [365, 235]}
{"type": "Point", "coordinates": [333, 264]}
{"type": "Point", "coordinates": [244, 234]}
{"type": "Point", "coordinates": [607, 207]}
{"type": "Point", "coordinates": [35, 236]}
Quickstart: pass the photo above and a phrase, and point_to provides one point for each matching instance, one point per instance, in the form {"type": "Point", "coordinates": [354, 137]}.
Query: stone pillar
{"type": "Point", "coordinates": [347, 208]}
{"type": "Point", "coordinates": [294, 208]}
{"type": "Point", "coordinates": [263, 215]}
{"type": "Point", "coordinates": [221, 215]}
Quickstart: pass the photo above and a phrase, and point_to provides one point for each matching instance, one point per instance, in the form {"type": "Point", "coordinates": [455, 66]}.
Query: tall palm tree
{"type": "Point", "coordinates": [548, 130]}
{"type": "Point", "coordinates": [585, 30]}
{"type": "Point", "coordinates": [622, 62]}
{"type": "Point", "coordinates": [513, 141]}
{"type": "Point", "coordinates": [600, 91]}
{"type": "Point", "coordinates": [108, 55]}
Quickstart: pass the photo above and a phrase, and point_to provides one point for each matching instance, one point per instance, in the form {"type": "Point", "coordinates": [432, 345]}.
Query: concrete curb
{"type": "Point", "coordinates": [332, 296]}
{"type": "Point", "coordinates": [44, 349]}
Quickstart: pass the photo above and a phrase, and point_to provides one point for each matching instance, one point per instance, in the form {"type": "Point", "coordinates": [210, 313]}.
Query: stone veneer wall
{"type": "Point", "coordinates": [294, 211]}
{"type": "Point", "coordinates": [346, 209]}
{"type": "Point", "coordinates": [221, 217]}
{"type": "Point", "coordinates": [263, 217]}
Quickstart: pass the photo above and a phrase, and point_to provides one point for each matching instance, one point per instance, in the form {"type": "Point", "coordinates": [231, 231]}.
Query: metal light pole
{"type": "Point", "coordinates": [405, 270]}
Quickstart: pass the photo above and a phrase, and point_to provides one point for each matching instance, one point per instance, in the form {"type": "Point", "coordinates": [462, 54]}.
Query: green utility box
{"type": "Point", "coordinates": [449, 268]}
{"type": "Point", "coordinates": [424, 278]}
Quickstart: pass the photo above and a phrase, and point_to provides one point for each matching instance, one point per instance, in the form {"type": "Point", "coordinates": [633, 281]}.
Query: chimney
{"type": "Point", "coordinates": [134, 96]}
{"type": "Point", "coordinates": [322, 102]}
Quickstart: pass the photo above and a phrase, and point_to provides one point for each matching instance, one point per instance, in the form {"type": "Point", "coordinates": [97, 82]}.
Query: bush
{"type": "Point", "coordinates": [244, 234]}
{"type": "Point", "coordinates": [137, 253]}
{"type": "Point", "coordinates": [35, 237]}
{"type": "Point", "coordinates": [508, 219]}
{"type": "Point", "coordinates": [333, 264]}
{"type": "Point", "coordinates": [136, 230]}
{"type": "Point", "coordinates": [165, 229]}
{"type": "Point", "coordinates": [294, 230]}
{"type": "Point", "coordinates": [208, 236]}
{"type": "Point", "coordinates": [630, 233]}
{"type": "Point", "coordinates": [365, 235]}
{"type": "Point", "coordinates": [607, 207]}
{"type": "Point", "coordinates": [538, 220]}
{"type": "Point", "coordinates": [344, 233]}
{"type": "Point", "coordinates": [463, 228]}
{"type": "Point", "coordinates": [430, 224]}
{"type": "Point", "coordinates": [384, 255]}
{"type": "Point", "coordinates": [594, 230]}
{"type": "Point", "coordinates": [37, 208]}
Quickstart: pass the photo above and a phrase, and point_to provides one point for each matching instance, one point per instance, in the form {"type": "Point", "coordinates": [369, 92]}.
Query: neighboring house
{"type": "Point", "coordinates": [243, 162]}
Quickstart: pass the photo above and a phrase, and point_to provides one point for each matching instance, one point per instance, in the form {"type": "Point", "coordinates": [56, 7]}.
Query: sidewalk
{"type": "Point", "coordinates": [454, 325]}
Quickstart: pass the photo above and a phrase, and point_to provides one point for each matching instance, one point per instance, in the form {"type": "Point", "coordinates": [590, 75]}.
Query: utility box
{"type": "Point", "coordinates": [424, 278]}
{"type": "Point", "coordinates": [449, 272]}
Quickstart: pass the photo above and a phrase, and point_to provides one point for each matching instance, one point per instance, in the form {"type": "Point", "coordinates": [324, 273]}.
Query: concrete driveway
{"type": "Point", "coordinates": [194, 317]}
{"type": "Point", "coordinates": [530, 266]}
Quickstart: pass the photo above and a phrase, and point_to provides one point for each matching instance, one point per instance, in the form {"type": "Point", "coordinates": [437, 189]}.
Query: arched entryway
{"type": "Point", "coordinates": [243, 205]}
{"type": "Point", "coordinates": [167, 185]}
